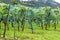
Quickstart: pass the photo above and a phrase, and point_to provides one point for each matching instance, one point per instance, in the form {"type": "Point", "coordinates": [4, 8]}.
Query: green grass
{"type": "Point", "coordinates": [39, 34]}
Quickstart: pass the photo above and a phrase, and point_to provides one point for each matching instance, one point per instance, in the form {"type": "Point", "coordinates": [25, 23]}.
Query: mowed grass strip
{"type": "Point", "coordinates": [39, 34]}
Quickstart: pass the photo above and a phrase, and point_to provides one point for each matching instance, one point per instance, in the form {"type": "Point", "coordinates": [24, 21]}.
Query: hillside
{"type": "Point", "coordinates": [35, 3]}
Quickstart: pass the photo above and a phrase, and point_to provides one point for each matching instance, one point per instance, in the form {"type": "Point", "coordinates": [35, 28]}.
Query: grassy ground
{"type": "Point", "coordinates": [39, 34]}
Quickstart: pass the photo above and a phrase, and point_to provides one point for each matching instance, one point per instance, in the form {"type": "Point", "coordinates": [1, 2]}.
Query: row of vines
{"type": "Point", "coordinates": [20, 14]}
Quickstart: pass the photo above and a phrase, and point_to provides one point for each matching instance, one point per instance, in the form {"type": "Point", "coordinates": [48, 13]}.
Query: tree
{"type": "Point", "coordinates": [4, 11]}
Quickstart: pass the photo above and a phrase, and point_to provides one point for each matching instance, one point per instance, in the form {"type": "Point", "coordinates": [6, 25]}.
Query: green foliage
{"type": "Point", "coordinates": [22, 11]}
{"type": "Point", "coordinates": [4, 9]}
